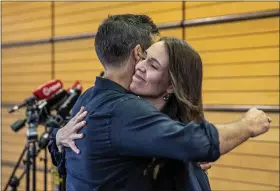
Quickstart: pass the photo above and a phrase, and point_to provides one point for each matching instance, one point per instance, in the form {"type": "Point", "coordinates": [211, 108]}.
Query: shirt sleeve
{"type": "Point", "coordinates": [57, 157]}
{"type": "Point", "coordinates": [138, 129]}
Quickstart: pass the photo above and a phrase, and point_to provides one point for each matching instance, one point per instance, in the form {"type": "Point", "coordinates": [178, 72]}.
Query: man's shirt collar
{"type": "Point", "coordinates": [103, 83]}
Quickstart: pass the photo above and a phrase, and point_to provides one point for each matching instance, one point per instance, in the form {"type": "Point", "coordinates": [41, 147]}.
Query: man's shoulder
{"type": "Point", "coordinates": [123, 100]}
{"type": "Point", "coordinates": [133, 103]}
{"type": "Point", "coordinates": [107, 98]}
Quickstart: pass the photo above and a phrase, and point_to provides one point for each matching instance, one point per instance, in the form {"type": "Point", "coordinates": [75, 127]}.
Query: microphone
{"type": "Point", "coordinates": [55, 101]}
{"type": "Point", "coordinates": [45, 137]}
{"type": "Point", "coordinates": [44, 91]}
{"type": "Point", "coordinates": [62, 112]}
{"type": "Point", "coordinates": [44, 109]}
{"type": "Point", "coordinates": [74, 93]}
{"type": "Point", "coordinates": [18, 125]}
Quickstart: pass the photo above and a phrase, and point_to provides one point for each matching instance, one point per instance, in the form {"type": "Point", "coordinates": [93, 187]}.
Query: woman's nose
{"type": "Point", "coordinates": [141, 66]}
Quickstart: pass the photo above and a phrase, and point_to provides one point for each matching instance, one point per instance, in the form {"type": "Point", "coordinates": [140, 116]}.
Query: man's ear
{"type": "Point", "coordinates": [138, 52]}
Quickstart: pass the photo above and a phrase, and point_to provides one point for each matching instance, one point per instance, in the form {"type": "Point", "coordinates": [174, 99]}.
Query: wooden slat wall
{"type": "Point", "coordinates": [253, 165]}
{"type": "Point", "coordinates": [24, 68]}
{"type": "Point", "coordinates": [82, 17]}
{"type": "Point", "coordinates": [25, 21]}
{"type": "Point", "coordinates": [241, 59]}
{"type": "Point", "coordinates": [241, 66]}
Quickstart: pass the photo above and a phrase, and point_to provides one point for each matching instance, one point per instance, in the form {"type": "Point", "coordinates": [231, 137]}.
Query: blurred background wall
{"type": "Point", "coordinates": [238, 42]}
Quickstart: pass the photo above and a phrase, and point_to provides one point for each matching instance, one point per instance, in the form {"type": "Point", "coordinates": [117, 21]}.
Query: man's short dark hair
{"type": "Point", "coordinates": [119, 34]}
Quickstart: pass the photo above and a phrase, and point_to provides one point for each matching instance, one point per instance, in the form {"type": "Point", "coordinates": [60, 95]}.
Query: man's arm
{"type": "Point", "coordinates": [138, 129]}
{"type": "Point", "coordinates": [233, 134]}
{"type": "Point", "coordinates": [143, 131]}
{"type": "Point", "coordinates": [53, 150]}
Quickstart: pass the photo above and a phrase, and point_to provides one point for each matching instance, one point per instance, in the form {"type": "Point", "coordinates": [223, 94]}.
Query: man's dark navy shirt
{"type": "Point", "coordinates": [122, 133]}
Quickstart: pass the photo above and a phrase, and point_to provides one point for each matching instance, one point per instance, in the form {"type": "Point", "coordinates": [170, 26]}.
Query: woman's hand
{"type": "Point", "coordinates": [66, 135]}
{"type": "Point", "coordinates": [205, 165]}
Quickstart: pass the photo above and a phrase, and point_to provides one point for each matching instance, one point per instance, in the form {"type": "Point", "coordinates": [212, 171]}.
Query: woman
{"type": "Point", "coordinates": [170, 78]}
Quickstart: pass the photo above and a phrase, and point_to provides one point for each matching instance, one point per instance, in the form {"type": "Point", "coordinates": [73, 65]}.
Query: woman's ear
{"type": "Point", "coordinates": [170, 89]}
{"type": "Point", "coordinates": [138, 52]}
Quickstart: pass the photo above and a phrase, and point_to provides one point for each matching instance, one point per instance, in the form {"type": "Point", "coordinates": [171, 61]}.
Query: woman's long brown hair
{"type": "Point", "coordinates": [185, 72]}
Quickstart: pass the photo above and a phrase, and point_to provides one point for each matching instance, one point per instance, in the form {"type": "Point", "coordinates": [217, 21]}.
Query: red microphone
{"type": "Point", "coordinates": [45, 91]}
{"type": "Point", "coordinates": [77, 85]}
{"type": "Point", "coordinates": [48, 89]}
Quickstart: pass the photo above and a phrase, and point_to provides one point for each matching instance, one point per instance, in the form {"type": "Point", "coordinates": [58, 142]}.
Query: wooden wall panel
{"type": "Point", "coordinates": [202, 10]}
{"type": "Point", "coordinates": [23, 21]}
{"type": "Point", "coordinates": [24, 69]}
{"type": "Point", "coordinates": [77, 60]}
{"type": "Point", "coordinates": [178, 33]}
{"type": "Point", "coordinates": [247, 161]}
{"type": "Point", "coordinates": [220, 184]}
{"type": "Point", "coordinates": [233, 28]}
{"type": "Point", "coordinates": [85, 17]}
{"type": "Point", "coordinates": [259, 69]}
{"type": "Point", "coordinates": [242, 84]}
{"type": "Point", "coordinates": [240, 60]}
{"type": "Point", "coordinates": [241, 98]}
{"type": "Point", "coordinates": [258, 157]}
{"type": "Point", "coordinates": [267, 39]}
{"type": "Point", "coordinates": [253, 176]}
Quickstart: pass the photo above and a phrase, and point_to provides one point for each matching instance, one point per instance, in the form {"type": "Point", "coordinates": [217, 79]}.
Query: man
{"type": "Point", "coordinates": [123, 131]}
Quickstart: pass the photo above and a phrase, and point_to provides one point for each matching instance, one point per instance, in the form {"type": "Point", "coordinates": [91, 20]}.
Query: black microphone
{"type": "Point", "coordinates": [45, 137]}
{"type": "Point", "coordinates": [65, 108]}
{"type": "Point", "coordinates": [18, 125]}
{"type": "Point", "coordinates": [55, 101]}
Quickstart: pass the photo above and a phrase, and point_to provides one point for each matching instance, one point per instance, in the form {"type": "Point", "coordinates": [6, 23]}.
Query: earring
{"type": "Point", "coordinates": [166, 97]}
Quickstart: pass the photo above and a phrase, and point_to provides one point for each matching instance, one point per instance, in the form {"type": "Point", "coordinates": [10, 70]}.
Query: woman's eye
{"type": "Point", "coordinates": [154, 67]}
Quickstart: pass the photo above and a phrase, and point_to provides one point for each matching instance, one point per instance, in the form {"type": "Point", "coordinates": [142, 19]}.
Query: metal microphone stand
{"type": "Point", "coordinates": [32, 119]}
{"type": "Point", "coordinates": [13, 180]}
{"type": "Point", "coordinates": [43, 142]}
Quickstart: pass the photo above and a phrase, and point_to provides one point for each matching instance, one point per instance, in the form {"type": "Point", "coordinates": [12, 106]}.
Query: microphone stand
{"type": "Point", "coordinates": [45, 158]}
{"type": "Point", "coordinates": [53, 122]}
{"type": "Point", "coordinates": [13, 180]}
{"type": "Point", "coordinates": [45, 170]}
{"type": "Point", "coordinates": [33, 117]}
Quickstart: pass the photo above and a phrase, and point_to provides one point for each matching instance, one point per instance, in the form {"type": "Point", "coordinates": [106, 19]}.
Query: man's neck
{"type": "Point", "coordinates": [119, 77]}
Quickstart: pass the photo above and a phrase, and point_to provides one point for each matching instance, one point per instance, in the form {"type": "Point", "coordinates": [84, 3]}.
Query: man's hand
{"type": "Point", "coordinates": [256, 121]}
{"type": "Point", "coordinates": [205, 165]}
{"type": "Point", "coordinates": [67, 134]}
{"type": "Point", "coordinates": [252, 124]}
